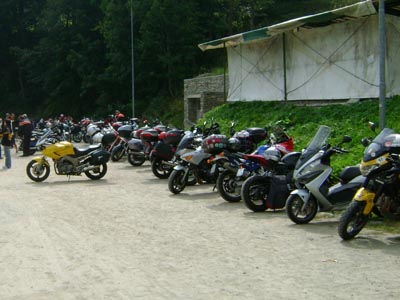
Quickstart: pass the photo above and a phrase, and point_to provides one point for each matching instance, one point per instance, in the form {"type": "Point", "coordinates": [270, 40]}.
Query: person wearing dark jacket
{"type": "Point", "coordinates": [7, 142]}
{"type": "Point", "coordinates": [25, 129]}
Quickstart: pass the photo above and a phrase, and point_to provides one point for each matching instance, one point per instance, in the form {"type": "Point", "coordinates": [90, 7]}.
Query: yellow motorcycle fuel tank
{"type": "Point", "coordinates": [59, 150]}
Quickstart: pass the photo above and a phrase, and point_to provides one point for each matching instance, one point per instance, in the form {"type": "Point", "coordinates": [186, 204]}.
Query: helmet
{"type": "Point", "coordinates": [97, 138]}
{"type": "Point", "coordinates": [234, 144]}
{"type": "Point", "coordinates": [92, 129]}
{"type": "Point", "coordinates": [272, 153]}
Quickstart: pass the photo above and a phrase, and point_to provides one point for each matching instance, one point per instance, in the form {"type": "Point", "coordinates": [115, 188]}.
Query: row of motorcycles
{"type": "Point", "coordinates": [270, 176]}
{"type": "Point", "coordinates": [273, 176]}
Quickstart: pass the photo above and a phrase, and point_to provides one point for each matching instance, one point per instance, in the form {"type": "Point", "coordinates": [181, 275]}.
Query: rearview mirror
{"type": "Point", "coordinates": [346, 139]}
{"type": "Point", "coordinates": [372, 126]}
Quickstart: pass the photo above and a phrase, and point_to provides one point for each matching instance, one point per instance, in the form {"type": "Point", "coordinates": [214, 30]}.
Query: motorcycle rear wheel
{"type": "Point", "coordinates": [77, 137]}
{"type": "Point", "coordinates": [37, 172]}
{"type": "Point", "coordinates": [228, 187]}
{"type": "Point", "coordinates": [136, 160]}
{"type": "Point", "coordinates": [159, 169]}
{"type": "Point", "coordinates": [176, 181]}
{"type": "Point", "coordinates": [98, 172]}
{"type": "Point", "coordinates": [298, 213]}
{"type": "Point", "coordinates": [255, 192]}
{"type": "Point", "coordinates": [352, 221]}
{"type": "Point", "coordinates": [117, 153]}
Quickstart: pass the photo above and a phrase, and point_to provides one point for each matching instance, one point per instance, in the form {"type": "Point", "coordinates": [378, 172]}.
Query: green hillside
{"type": "Point", "coordinates": [301, 122]}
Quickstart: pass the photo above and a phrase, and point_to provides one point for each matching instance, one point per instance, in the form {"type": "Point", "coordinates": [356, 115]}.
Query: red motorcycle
{"type": "Point", "coordinates": [140, 147]}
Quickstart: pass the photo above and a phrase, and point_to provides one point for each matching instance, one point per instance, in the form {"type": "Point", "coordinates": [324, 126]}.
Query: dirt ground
{"type": "Point", "coordinates": [127, 237]}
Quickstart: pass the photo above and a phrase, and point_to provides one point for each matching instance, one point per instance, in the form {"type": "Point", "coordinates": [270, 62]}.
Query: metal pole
{"type": "Point", "coordinates": [133, 66]}
{"type": "Point", "coordinates": [284, 67]}
{"type": "Point", "coordinates": [382, 70]}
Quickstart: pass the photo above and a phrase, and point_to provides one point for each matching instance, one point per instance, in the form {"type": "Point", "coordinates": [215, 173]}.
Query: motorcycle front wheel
{"type": "Point", "coordinates": [177, 181]}
{"type": "Point", "coordinates": [255, 192]}
{"type": "Point", "coordinates": [37, 172]}
{"type": "Point", "coordinates": [352, 221]}
{"type": "Point", "coordinates": [300, 212]}
{"type": "Point", "coordinates": [98, 172]}
{"type": "Point", "coordinates": [117, 153]}
{"type": "Point", "coordinates": [136, 160]}
{"type": "Point", "coordinates": [228, 187]}
{"type": "Point", "coordinates": [159, 169]}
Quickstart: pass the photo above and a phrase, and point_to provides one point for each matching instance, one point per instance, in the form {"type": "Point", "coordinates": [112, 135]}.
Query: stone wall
{"type": "Point", "coordinates": [202, 94]}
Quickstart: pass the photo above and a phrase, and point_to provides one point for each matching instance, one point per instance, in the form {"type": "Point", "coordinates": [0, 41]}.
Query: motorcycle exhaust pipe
{"type": "Point", "coordinates": [89, 168]}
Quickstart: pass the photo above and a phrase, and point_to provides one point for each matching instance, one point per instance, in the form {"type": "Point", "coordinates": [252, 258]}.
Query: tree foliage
{"type": "Point", "coordinates": [74, 57]}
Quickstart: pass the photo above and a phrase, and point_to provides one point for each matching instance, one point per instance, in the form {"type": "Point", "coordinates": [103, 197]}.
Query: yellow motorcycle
{"type": "Point", "coordinates": [380, 193]}
{"type": "Point", "coordinates": [69, 160]}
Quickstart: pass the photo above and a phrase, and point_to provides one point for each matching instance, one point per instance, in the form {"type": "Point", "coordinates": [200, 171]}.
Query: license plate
{"type": "Point", "coordinates": [240, 173]}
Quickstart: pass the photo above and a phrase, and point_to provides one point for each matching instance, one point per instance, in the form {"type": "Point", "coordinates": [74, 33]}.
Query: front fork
{"type": "Point", "coordinates": [364, 195]}
{"type": "Point", "coordinates": [41, 160]}
{"type": "Point", "coordinates": [185, 169]}
{"type": "Point", "coordinates": [304, 195]}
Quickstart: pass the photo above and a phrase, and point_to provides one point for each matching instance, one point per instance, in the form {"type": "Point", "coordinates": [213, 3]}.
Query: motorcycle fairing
{"type": "Point", "coordinates": [58, 150]}
{"type": "Point", "coordinates": [364, 195]}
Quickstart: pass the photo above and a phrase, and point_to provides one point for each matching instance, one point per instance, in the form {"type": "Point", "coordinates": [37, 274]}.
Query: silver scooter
{"type": "Point", "coordinates": [312, 176]}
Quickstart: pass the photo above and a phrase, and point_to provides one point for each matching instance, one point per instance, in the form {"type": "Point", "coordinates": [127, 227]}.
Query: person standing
{"type": "Point", "coordinates": [25, 128]}
{"type": "Point", "coordinates": [7, 142]}
{"type": "Point", "coordinates": [14, 128]}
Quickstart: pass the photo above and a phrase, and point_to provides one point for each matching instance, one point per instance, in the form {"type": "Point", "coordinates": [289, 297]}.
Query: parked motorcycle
{"type": "Point", "coordinates": [270, 189]}
{"type": "Point", "coordinates": [162, 156]}
{"type": "Point", "coordinates": [197, 163]}
{"type": "Point", "coordinates": [139, 149]}
{"type": "Point", "coordinates": [312, 176]}
{"type": "Point", "coordinates": [380, 192]}
{"type": "Point", "coordinates": [236, 168]}
{"type": "Point", "coordinates": [69, 160]}
{"type": "Point", "coordinates": [123, 136]}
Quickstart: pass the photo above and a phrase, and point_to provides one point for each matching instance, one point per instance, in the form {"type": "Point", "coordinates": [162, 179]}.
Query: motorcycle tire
{"type": "Point", "coordinates": [32, 151]}
{"type": "Point", "coordinates": [254, 193]}
{"type": "Point", "coordinates": [135, 160]}
{"type": "Point", "coordinates": [117, 153]}
{"type": "Point", "coordinates": [98, 172]}
{"type": "Point", "coordinates": [77, 137]}
{"type": "Point", "coordinates": [177, 181]}
{"type": "Point", "coordinates": [159, 169]}
{"type": "Point", "coordinates": [228, 187]}
{"type": "Point", "coordinates": [297, 213]}
{"type": "Point", "coordinates": [86, 138]}
{"type": "Point", "coordinates": [37, 172]}
{"type": "Point", "coordinates": [352, 221]}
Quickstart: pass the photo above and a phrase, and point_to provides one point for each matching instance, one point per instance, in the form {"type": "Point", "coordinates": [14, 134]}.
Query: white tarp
{"type": "Point", "coordinates": [339, 61]}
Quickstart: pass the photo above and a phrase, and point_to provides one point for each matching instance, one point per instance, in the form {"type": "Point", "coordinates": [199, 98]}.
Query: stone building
{"type": "Point", "coordinates": [202, 94]}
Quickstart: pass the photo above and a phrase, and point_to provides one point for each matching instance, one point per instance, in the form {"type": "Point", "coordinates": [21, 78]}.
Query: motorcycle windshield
{"type": "Point", "coordinates": [186, 142]}
{"type": "Point", "coordinates": [316, 144]}
{"type": "Point", "coordinates": [377, 147]}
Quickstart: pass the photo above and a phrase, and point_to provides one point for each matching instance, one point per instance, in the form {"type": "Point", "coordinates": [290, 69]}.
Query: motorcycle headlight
{"type": "Point", "coordinates": [366, 169]}
{"type": "Point", "coordinates": [188, 157]}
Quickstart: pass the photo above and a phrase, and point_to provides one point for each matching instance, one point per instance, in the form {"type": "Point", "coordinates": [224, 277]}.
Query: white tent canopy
{"type": "Point", "coordinates": [332, 55]}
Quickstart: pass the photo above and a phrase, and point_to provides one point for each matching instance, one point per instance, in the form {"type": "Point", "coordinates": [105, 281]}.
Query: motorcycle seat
{"type": "Point", "coordinates": [348, 173]}
{"type": "Point", "coordinates": [86, 150]}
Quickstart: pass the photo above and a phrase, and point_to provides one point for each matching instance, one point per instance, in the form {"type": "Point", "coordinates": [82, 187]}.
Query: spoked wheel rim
{"type": "Point", "coordinates": [299, 211]}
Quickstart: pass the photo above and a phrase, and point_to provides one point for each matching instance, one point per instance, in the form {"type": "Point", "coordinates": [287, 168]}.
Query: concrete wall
{"type": "Point", "coordinates": [202, 94]}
